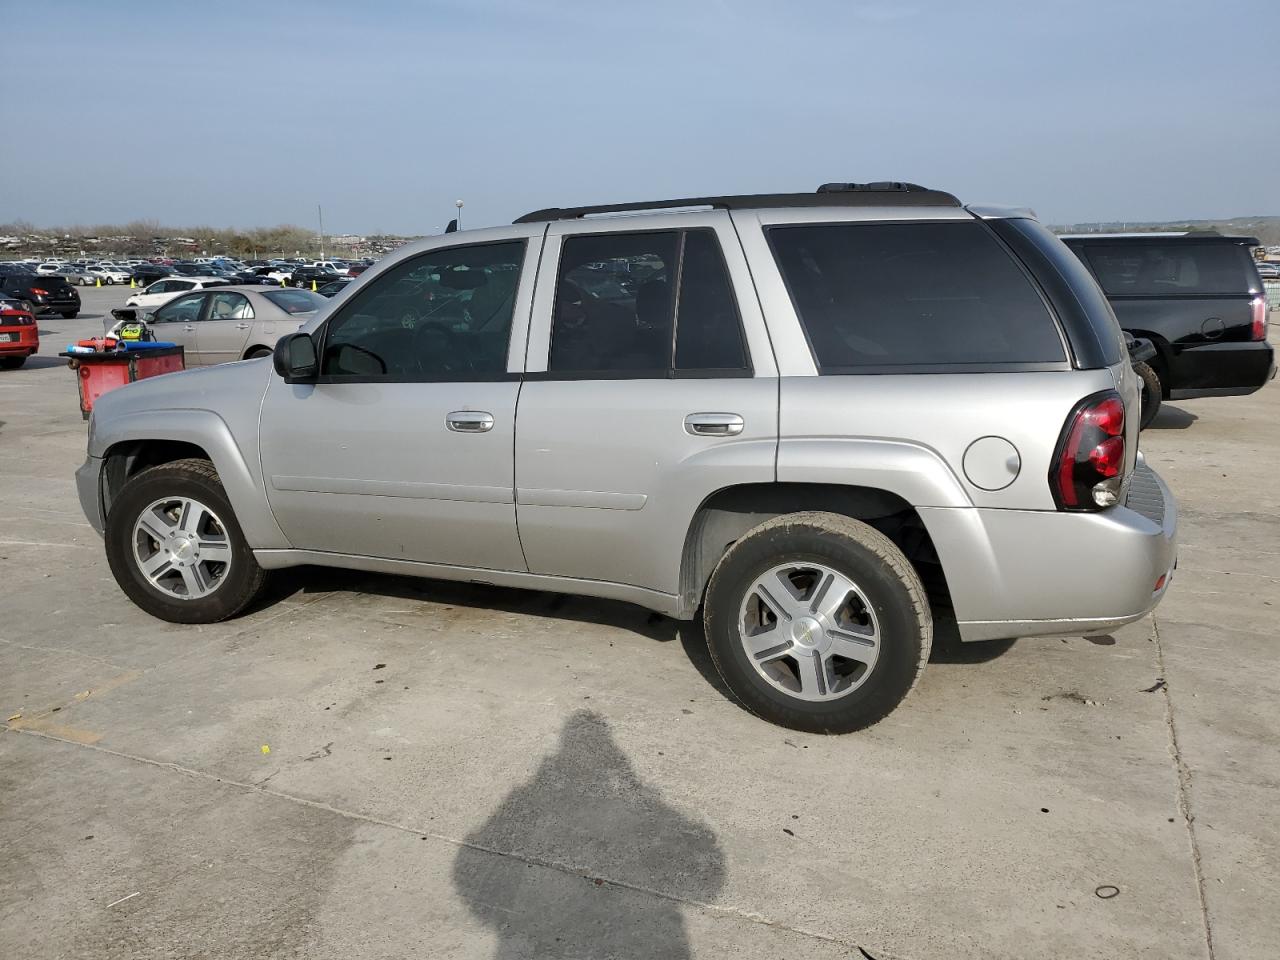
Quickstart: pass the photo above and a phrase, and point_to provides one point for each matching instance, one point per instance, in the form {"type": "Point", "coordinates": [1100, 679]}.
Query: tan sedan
{"type": "Point", "coordinates": [220, 324]}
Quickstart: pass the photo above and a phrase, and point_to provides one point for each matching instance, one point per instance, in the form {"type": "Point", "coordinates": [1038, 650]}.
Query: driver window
{"type": "Point", "coordinates": [444, 315]}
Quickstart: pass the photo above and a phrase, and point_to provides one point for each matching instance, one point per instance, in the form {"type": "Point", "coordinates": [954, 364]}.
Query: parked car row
{"type": "Point", "coordinates": [297, 272]}
{"type": "Point", "coordinates": [39, 294]}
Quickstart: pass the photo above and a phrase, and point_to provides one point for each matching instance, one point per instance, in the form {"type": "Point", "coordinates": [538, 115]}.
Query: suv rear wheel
{"type": "Point", "coordinates": [1152, 391]}
{"type": "Point", "coordinates": [175, 547]}
{"type": "Point", "coordinates": [818, 622]}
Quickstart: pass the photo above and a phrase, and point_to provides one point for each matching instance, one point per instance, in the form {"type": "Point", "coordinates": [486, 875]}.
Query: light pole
{"type": "Point", "coordinates": [458, 204]}
{"type": "Point", "coordinates": [320, 214]}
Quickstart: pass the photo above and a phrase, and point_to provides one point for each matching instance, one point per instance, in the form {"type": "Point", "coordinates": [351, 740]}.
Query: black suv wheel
{"type": "Point", "coordinates": [817, 622]}
{"type": "Point", "coordinates": [1152, 391]}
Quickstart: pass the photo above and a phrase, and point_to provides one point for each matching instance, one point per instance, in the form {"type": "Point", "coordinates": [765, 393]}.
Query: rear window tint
{"type": "Point", "coordinates": [893, 295]}
{"type": "Point", "coordinates": [293, 301]}
{"type": "Point", "coordinates": [1146, 269]}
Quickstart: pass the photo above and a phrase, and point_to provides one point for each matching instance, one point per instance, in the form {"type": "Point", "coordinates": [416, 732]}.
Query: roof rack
{"type": "Point", "coordinates": [879, 194]}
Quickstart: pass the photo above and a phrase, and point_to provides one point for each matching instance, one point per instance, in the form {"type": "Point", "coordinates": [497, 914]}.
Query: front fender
{"type": "Point", "coordinates": [241, 477]}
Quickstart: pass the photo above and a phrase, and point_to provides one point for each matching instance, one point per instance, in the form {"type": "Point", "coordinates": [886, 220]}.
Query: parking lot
{"type": "Point", "coordinates": [367, 766]}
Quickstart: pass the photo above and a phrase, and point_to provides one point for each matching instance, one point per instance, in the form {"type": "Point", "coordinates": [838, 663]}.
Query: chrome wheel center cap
{"type": "Point", "coordinates": [806, 632]}
{"type": "Point", "coordinates": [182, 548]}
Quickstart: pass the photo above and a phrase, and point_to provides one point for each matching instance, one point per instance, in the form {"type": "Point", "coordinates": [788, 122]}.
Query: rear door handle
{"type": "Point", "coordinates": [469, 421]}
{"type": "Point", "coordinates": [713, 424]}
{"type": "Point", "coordinates": [242, 326]}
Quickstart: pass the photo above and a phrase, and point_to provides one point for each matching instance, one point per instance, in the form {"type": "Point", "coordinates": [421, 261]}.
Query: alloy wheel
{"type": "Point", "coordinates": [809, 631]}
{"type": "Point", "coordinates": [182, 548]}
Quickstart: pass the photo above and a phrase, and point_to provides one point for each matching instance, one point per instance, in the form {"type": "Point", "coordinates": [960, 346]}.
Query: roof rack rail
{"type": "Point", "coordinates": [879, 194]}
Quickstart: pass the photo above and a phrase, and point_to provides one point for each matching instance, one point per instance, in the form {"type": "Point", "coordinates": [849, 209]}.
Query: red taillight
{"type": "Point", "coordinates": [1089, 462]}
{"type": "Point", "coordinates": [40, 291]}
{"type": "Point", "coordinates": [1258, 330]}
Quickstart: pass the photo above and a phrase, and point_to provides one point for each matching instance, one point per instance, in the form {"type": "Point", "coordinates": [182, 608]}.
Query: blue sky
{"type": "Point", "coordinates": [229, 113]}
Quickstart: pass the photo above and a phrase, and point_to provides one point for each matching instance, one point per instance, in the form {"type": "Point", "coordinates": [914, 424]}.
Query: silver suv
{"type": "Point", "coordinates": [815, 420]}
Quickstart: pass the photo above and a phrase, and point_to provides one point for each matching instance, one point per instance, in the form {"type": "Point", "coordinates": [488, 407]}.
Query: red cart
{"type": "Point", "coordinates": [97, 373]}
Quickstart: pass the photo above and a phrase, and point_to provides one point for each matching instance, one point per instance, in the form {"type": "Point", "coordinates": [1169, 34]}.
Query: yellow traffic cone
{"type": "Point", "coordinates": [132, 285]}
{"type": "Point", "coordinates": [313, 286]}
{"type": "Point", "coordinates": [97, 281]}
{"type": "Point", "coordinates": [282, 283]}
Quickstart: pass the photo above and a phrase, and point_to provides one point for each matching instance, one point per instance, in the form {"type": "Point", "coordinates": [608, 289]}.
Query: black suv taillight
{"type": "Point", "coordinates": [1258, 326]}
{"type": "Point", "coordinates": [1089, 462]}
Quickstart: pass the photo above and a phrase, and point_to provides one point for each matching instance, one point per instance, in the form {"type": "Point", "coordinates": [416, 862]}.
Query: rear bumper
{"type": "Point", "coordinates": [27, 342]}
{"type": "Point", "coordinates": [55, 306]}
{"type": "Point", "coordinates": [1220, 370]}
{"type": "Point", "coordinates": [1020, 573]}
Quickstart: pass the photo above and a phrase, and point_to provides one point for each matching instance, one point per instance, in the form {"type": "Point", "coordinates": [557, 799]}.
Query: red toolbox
{"type": "Point", "coordinates": [99, 372]}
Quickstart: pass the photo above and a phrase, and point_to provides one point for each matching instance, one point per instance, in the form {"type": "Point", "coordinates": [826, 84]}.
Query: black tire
{"type": "Point", "coordinates": [1152, 393]}
{"type": "Point", "coordinates": [187, 478]}
{"type": "Point", "coordinates": [70, 314]}
{"type": "Point", "coordinates": [12, 363]}
{"type": "Point", "coordinates": [880, 571]}
{"type": "Point", "coordinates": [257, 352]}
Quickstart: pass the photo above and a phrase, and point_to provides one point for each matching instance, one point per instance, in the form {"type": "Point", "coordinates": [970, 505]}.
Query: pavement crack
{"type": "Point", "coordinates": [1184, 791]}
{"type": "Point", "coordinates": [569, 869]}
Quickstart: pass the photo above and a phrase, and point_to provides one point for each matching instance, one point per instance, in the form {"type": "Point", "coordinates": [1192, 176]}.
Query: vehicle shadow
{"type": "Point", "coordinates": [538, 603]}
{"type": "Point", "coordinates": [949, 648]}
{"type": "Point", "coordinates": [947, 645]}
{"type": "Point", "coordinates": [586, 810]}
{"type": "Point", "coordinates": [1172, 418]}
{"type": "Point", "coordinates": [39, 362]}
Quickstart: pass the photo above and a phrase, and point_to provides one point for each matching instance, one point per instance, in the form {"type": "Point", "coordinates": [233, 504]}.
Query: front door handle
{"type": "Point", "coordinates": [469, 421]}
{"type": "Point", "coordinates": [713, 424]}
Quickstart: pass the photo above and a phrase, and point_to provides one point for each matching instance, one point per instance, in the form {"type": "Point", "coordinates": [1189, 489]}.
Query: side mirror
{"type": "Point", "coordinates": [295, 358]}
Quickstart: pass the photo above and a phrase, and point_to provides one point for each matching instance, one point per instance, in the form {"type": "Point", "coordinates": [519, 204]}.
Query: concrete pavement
{"type": "Point", "coordinates": [370, 766]}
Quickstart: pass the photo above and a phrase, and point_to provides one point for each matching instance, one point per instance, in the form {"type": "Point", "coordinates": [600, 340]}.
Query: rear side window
{"type": "Point", "coordinates": [1145, 269]}
{"type": "Point", "coordinates": [879, 297]}
{"type": "Point", "coordinates": [645, 305]}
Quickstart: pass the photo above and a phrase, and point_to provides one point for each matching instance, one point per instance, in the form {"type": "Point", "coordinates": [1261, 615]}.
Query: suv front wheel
{"type": "Point", "coordinates": [175, 547]}
{"type": "Point", "coordinates": [818, 622]}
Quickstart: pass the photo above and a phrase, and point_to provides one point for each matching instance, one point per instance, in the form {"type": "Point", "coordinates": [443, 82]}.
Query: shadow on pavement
{"type": "Point", "coordinates": [1172, 418]}
{"type": "Point", "coordinates": [613, 613]}
{"type": "Point", "coordinates": [949, 648]}
{"type": "Point", "coordinates": [40, 362]}
{"type": "Point", "coordinates": [586, 808]}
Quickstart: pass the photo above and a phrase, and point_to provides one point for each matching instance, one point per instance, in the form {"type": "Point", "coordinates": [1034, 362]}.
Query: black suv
{"type": "Point", "coordinates": [1199, 300]}
{"type": "Point", "coordinates": [46, 294]}
{"type": "Point", "coordinates": [305, 276]}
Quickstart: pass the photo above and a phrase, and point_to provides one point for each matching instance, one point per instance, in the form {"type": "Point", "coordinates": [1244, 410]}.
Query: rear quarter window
{"type": "Point", "coordinates": [886, 297]}
{"type": "Point", "coordinates": [296, 301]}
